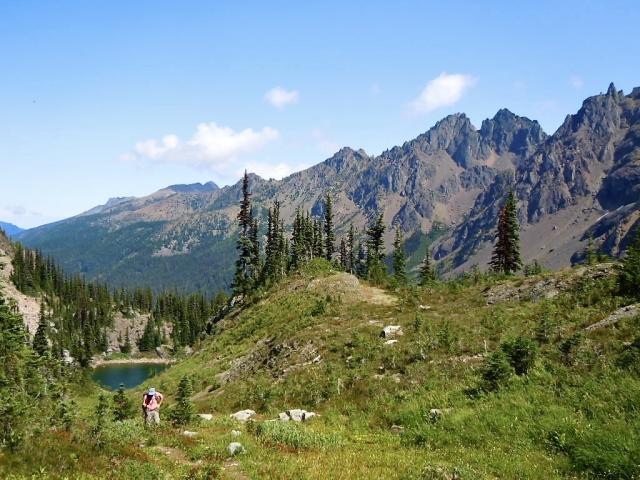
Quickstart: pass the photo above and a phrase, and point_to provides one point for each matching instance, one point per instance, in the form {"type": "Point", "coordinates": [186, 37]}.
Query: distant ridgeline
{"type": "Point", "coordinates": [77, 314]}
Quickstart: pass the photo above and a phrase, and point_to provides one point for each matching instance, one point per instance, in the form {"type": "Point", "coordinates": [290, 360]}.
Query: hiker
{"type": "Point", "coordinates": [151, 402]}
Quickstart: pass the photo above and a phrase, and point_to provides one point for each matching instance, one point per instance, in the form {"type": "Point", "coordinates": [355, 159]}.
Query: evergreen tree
{"type": "Point", "coordinates": [329, 234]}
{"type": "Point", "coordinates": [506, 253]}
{"type": "Point", "coordinates": [399, 259]}
{"type": "Point", "coordinates": [351, 250]}
{"type": "Point", "coordinates": [427, 272]}
{"type": "Point", "coordinates": [376, 270]}
{"type": "Point", "coordinates": [590, 255]}
{"type": "Point", "coordinates": [100, 415]}
{"type": "Point", "coordinates": [246, 249]}
{"type": "Point", "coordinates": [629, 274]}
{"type": "Point", "coordinates": [122, 407]}
{"type": "Point", "coordinates": [183, 410]}
{"type": "Point", "coordinates": [344, 256]}
{"type": "Point", "coordinates": [126, 347]}
{"type": "Point", "coordinates": [40, 341]}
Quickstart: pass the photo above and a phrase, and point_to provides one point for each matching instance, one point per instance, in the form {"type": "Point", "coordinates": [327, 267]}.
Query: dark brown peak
{"type": "Point", "coordinates": [508, 132]}
{"type": "Point", "coordinates": [597, 112]}
{"type": "Point", "coordinates": [344, 156]}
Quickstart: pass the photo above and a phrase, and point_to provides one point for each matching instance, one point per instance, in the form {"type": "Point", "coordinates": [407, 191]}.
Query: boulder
{"type": "Point", "coordinates": [283, 417]}
{"type": "Point", "coordinates": [390, 342]}
{"type": "Point", "coordinates": [188, 351]}
{"type": "Point", "coordinates": [235, 448]}
{"type": "Point", "coordinates": [189, 434]}
{"type": "Point", "coordinates": [296, 415]}
{"type": "Point", "coordinates": [391, 331]}
{"type": "Point", "coordinates": [206, 416]}
{"type": "Point", "coordinates": [236, 433]}
{"type": "Point", "coordinates": [66, 357]}
{"type": "Point", "coordinates": [243, 415]}
{"type": "Point", "coordinates": [162, 351]}
{"type": "Point", "coordinates": [424, 307]}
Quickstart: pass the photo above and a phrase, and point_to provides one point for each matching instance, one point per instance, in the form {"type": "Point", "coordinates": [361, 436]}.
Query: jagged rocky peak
{"type": "Point", "coordinates": [600, 114]}
{"type": "Point", "coordinates": [508, 132]}
{"type": "Point", "coordinates": [344, 157]}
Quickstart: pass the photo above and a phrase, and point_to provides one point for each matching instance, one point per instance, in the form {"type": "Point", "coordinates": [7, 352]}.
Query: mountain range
{"type": "Point", "coordinates": [444, 188]}
{"type": "Point", "coordinates": [10, 229]}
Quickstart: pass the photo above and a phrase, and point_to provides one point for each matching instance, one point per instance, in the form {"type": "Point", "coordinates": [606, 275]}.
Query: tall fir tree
{"type": "Point", "coordinates": [399, 258]}
{"type": "Point", "coordinates": [351, 250]}
{"type": "Point", "coordinates": [629, 273]}
{"type": "Point", "coordinates": [244, 274]}
{"type": "Point", "coordinates": [329, 234]}
{"type": "Point", "coordinates": [427, 272]}
{"type": "Point", "coordinates": [376, 269]}
{"type": "Point", "coordinates": [590, 255]}
{"type": "Point", "coordinates": [344, 256]}
{"type": "Point", "coordinates": [183, 411]}
{"type": "Point", "coordinates": [506, 253]}
{"type": "Point", "coordinates": [40, 339]}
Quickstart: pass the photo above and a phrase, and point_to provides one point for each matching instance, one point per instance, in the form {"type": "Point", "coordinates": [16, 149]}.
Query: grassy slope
{"type": "Point", "coordinates": [573, 415]}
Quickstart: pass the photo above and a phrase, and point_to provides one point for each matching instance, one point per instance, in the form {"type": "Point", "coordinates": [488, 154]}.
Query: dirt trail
{"type": "Point", "coordinates": [29, 307]}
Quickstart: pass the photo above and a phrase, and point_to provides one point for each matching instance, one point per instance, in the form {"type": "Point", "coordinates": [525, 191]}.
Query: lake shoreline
{"type": "Point", "coordinates": [101, 362]}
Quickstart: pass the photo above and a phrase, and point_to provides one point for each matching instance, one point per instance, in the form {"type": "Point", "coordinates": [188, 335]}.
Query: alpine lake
{"type": "Point", "coordinates": [128, 374]}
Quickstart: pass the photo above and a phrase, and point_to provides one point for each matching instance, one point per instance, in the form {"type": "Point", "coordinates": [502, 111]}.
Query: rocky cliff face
{"type": "Point", "coordinates": [587, 174]}
{"type": "Point", "coordinates": [583, 180]}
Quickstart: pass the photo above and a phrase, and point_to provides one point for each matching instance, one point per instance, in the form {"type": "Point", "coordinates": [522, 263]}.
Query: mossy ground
{"type": "Point", "coordinates": [574, 415]}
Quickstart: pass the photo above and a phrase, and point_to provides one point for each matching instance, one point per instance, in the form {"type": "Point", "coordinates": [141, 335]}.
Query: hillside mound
{"type": "Point", "coordinates": [348, 288]}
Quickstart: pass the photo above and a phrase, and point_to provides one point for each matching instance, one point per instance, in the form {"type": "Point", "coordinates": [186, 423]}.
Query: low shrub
{"type": "Point", "coordinates": [521, 353]}
{"type": "Point", "coordinates": [495, 372]}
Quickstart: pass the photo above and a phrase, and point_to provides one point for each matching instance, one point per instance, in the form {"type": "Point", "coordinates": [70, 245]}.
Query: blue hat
{"type": "Point", "coordinates": [151, 391]}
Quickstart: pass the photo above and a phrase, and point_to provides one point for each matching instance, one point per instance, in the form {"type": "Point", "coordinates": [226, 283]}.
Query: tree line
{"type": "Point", "coordinates": [310, 238]}
{"type": "Point", "coordinates": [76, 314]}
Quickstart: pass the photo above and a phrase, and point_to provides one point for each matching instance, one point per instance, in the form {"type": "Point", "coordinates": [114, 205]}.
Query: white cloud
{"type": "Point", "coordinates": [576, 82]}
{"type": "Point", "coordinates": [375, 89]}
{"type": "Point", "coordinates": [212, 147]}
{"type": "Point", "coordinates": [443, 91]}
{"type": "Point", "coordinates": [280, 97]}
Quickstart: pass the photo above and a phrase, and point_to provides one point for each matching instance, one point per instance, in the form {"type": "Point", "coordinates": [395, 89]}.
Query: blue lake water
{"type": "Point", "coordinates": [130, 375]}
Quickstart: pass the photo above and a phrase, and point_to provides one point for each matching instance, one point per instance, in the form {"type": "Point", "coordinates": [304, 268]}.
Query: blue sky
{"type": "Point", "coordinates": [104, 99]}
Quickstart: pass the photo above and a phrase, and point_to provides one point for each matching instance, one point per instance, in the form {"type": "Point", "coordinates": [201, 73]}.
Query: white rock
{"type": "Point", "coordinates": [188, 350]}
{"type": "Point", "coordinates": [283, 417]}
{"type": "Point", "coordinates": [189, 434]}
{"type": "Point", "coordinates": [297, 415]}
{"type": "Point", "coordinates": [424, 307]}
{"type": "Point", "coordinates": [243, 415]}
{"type": "Point", "coordinates": [235, 448]}
{"type": "Point", "coordinates": [206, 416]}
{"type": "Point", "coordinates": [391, 331]}
{"type": "Point", "coordinates": [66, 357]}
{"type": "Point", "coordinates": [236, 433]}
{"type": "Point", "coordinates": [390, 342]}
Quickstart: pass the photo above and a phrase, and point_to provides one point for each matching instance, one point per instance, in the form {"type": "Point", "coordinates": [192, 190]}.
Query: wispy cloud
{"type": "Point", "coordinates": [20, 211]}
{"type": "Point", "coordinates": [280, 97]}
{"type": "Point", "coordinates": [213, 147]}
{"type": "Point", "coordinates": [443, 91]}
{"type": "Point", "coordinates": [576, 82]}
{"type": "Point", "coordinates": [375, 89]}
